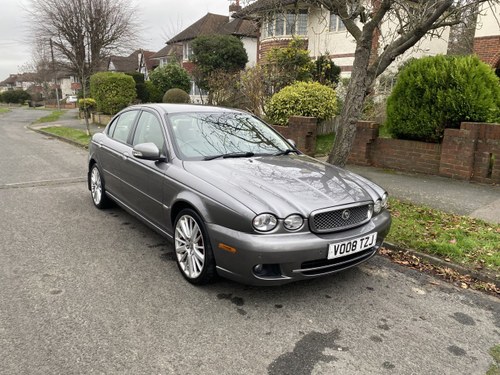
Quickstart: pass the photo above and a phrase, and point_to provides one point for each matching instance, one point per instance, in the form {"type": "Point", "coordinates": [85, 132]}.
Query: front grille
{"type": "Point", "coordinates": [340, 218]}
{"type": "Point", "coordinates": [322, 266]}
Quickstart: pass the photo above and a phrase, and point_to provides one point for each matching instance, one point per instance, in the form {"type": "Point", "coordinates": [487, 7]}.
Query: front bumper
{"type": "Point", "coordinates": [295, 256]}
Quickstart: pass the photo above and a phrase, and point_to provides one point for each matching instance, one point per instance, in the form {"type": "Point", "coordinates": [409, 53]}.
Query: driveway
{"type": "Point", "coordinates": [87, 291]}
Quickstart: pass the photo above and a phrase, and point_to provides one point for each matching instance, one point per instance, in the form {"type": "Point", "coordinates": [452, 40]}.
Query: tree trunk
{"type": "Point", "coordinates": [359, 85]}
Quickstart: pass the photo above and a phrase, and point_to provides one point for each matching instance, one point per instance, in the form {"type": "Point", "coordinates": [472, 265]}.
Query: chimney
{"type": "Point", "coordinates": [234, 8]}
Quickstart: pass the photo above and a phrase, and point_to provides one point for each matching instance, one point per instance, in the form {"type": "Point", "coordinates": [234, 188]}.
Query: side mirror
{"type": "Point", "coordinates": [292, 142]}
{"type": "Point", "coordinates": [147, 151]}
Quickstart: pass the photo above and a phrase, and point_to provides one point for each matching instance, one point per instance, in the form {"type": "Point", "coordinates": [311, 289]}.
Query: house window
{"type": "Point", "coordinates": [187, 51]}
{"type": "Point", "coordinates": [286, 24]}
{"type": "Point", "coordinates": [336, 23]}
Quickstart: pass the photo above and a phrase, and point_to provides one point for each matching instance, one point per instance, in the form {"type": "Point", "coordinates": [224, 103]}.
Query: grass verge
{"type": "Point", "coordinates": [495, 367]}
{"type": "Point", "coordinates": [463, 240]}
{"type": "Point", "coordinates": [74, 135]}
{"type": "Point", "coordinates": [54, 116]}
{"type": "Point", "coordinates": [4, 110]}
{"type": "Point", "coordinates": [324, 144]}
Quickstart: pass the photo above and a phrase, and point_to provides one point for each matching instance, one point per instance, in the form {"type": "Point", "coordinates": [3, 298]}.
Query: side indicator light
{"type": "Point", "coordinates": [228, 248]}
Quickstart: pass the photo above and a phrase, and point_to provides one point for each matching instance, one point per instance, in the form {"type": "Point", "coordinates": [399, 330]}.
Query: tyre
{"type": "Point", "coordinates": [97, 190]}
{"type": "Point", "coordinates": [193, 251]}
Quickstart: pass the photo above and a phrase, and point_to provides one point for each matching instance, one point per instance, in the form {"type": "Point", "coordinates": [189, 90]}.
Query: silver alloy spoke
{"type": "Point", "coordinates": [189, 246]}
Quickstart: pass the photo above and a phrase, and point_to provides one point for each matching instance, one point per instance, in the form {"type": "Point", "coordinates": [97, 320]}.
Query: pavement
{"type": "Point", "coordinates": [481, 201]}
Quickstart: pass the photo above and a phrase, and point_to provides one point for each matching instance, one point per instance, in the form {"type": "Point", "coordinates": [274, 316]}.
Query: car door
{"type": "Point", "coordinates": [115, 149]}
{"type": "Point", "coordinates": [144, 179]}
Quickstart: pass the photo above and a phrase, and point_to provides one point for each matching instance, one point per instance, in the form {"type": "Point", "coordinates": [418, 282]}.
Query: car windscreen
{"type": "Point", "coordinates": [199, 136]}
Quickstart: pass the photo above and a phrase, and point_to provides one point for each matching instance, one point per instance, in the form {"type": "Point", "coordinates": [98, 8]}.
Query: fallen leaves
{"type": "Point", "coordinates": [408, 259]}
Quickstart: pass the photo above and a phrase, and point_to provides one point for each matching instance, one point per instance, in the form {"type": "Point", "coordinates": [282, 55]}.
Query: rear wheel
{"type": "Point", "coordinates": [97, 190]}
{"type": "Point", "coordinates": [193, 251]}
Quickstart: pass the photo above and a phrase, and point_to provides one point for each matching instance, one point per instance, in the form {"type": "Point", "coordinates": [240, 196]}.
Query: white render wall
{"type": "Point", "coordinates": [488, 22]}
{"type": "Point", "coordinates": [250, 45]}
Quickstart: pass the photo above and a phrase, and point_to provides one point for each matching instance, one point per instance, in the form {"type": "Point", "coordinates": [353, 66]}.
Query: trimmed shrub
{"type": "Point", "coordinates": [176, 96]}
{"type": "Point", "coordinates": [112, 91]}
{"type": "Point", "coordinates": [439, 92]}
{"type": "Point", "coordinates": [155, 95]}
{"type": "Point", "coordinates": [302, 99]}
{"type": "Point", "coordinates": [168, 77]}
{"type": "Point", "coordinates": [15, 96]}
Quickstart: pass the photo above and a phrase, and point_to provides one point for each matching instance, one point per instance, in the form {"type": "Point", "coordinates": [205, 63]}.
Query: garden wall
{"type": "Point", "coordinates": [469, 153]}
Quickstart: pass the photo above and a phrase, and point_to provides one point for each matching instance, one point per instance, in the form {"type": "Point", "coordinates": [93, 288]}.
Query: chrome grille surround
{"type": "Point", "coordinates": [339, 218]}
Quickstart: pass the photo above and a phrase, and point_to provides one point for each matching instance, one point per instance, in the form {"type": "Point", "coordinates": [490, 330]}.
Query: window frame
{"type": "Point", "coordinates": [289, 23]}
{"type": "Point", "coordinates": [339, 24]}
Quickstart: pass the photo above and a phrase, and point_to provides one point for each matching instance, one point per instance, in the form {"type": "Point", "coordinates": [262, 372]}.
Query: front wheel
{"type": "Point", "coordinates": [192, 248]}
{"type": "Point", "coordinates": [97, 191]}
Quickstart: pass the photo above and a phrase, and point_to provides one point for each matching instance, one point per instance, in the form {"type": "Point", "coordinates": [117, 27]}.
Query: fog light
{"type": "Point", "coordinates": [377, 207]}
{"type": "Point", "coordinates": [258, 269]}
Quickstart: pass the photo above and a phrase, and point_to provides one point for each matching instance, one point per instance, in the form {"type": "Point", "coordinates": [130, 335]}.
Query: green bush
{"type": "Point", "coordinates": [439, 92]}
{"type": "Point", "coordinates": [15, 96]}
{"type": "Point", "coordinates": [176, 96]}
{"type": "Point", "coordinates": [140, 87]}
{"type": "Point", "coordinates": [154, 94]}
{"type": "Point", "coordinates": [168, 77]}
{"type": "Point", "coordinates": [302, 99]}
{"type": "Point", "coordinates": [112, 91]}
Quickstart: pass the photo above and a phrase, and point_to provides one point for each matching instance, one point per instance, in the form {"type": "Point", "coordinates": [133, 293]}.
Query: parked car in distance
{"type": "Point", "coordinates": [71, 99]}
{"type": "Point", "coordinates": [235, 197]}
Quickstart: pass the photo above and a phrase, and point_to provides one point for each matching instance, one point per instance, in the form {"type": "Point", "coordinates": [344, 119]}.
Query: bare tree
{"type": "Point", "coordinates": [384, 30]}
{"type": "Point", "coordinates": [84, 32]}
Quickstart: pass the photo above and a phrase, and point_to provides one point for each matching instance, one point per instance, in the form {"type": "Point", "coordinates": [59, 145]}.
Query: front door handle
{"type": "Point", "coordinates": [125, 156]}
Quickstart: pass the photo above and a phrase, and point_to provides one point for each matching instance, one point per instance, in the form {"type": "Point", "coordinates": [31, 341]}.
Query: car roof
{"type": "Point", "coordinates": [185, 108]}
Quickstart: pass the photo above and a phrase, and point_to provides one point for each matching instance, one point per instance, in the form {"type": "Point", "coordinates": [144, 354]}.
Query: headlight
{"type": "Point", "coordinates": [293, 222]}
{"type": "Point", "coordinates": [385, 199]}
{"type": "Point", "coordinates": [265, 222]}
{"type": "Point", "coordinates": [377, 207]}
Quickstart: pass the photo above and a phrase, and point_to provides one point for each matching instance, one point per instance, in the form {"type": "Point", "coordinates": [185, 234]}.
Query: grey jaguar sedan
{"type": "Point", "coordinates": [235, 197]}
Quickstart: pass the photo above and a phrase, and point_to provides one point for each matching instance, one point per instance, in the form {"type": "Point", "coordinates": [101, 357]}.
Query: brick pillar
{"type": "Point", "coordinates": [303, 130]}
{"type": "Point", "coordinates": [457, 153]}
{"type": "Point", "coordinates": [366, 133]}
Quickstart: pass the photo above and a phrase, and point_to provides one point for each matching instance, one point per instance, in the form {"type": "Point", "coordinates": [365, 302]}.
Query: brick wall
{"type": "Point", "coordinates": [488, 50]}
{"type": "Point", "coordinates": [303, 131]}
{"type": "Point", "coordinates": [469, 153]}
{"type": "Point", "coordinates": [266, 45]}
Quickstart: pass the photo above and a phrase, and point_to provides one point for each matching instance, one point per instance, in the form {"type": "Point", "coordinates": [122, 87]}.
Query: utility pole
{"type": "Point", "coordinates": [55, 74]}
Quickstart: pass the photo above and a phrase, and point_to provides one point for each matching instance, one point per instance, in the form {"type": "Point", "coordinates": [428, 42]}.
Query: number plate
{"type": "Point", "coordinates": [341, 249]}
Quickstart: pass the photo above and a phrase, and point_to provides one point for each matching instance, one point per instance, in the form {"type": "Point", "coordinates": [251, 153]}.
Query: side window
{"type": "Point", "coordinates": [149, 130]}
{"type": "Point", "coordinates": [120, 128]}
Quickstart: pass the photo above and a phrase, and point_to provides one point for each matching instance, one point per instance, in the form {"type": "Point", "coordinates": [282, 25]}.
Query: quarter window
{"type": "Point", "coordinates": [120, 128]}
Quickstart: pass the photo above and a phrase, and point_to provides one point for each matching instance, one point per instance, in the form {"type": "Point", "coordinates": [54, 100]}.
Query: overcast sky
{"type": "Point", "coordinates": [161, 19]}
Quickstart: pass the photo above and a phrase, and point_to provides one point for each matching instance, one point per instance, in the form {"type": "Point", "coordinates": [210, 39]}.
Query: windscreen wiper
{"type": "Point", "coordinates": [286, 152]}
{"type": "Point", "coordinates": [230, 155]}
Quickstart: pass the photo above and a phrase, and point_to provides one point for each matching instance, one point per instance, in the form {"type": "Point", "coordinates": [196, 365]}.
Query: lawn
{"type": "Point", "coordinates": [463, 240]}
{"type": "Point", "coordinates": [54, 116]}
{"type": "Point", "coordinates": [4, 110]}
{"type": "Point", "coordinates": [74, 135]}
{"type": "Point", "coordinates": [324, 144]}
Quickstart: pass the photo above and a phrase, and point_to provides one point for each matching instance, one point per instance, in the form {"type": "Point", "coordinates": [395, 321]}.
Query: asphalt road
{"type": "Point", "coordinates": [84, 291]}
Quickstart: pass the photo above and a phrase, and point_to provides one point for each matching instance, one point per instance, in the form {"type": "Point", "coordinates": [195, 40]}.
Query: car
{"type": "Point", "coordinates": [236, 198]}
{"type": "Point", "coordinates": [71, 99]}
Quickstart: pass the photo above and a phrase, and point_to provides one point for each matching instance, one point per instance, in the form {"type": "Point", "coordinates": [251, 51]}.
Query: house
{"type": "Point", "coordinates": [22, 81]}
{"type": "Point", "coordinates": [487, 36]}
{"type": "Point", "coordinates": [171, 53]}
{"type": "Point", "coordinates": [138, 61]}
{"type": "Point", "coordinates": [323, 32]}
{"type": "Point", "coordinates": [210, 24]}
